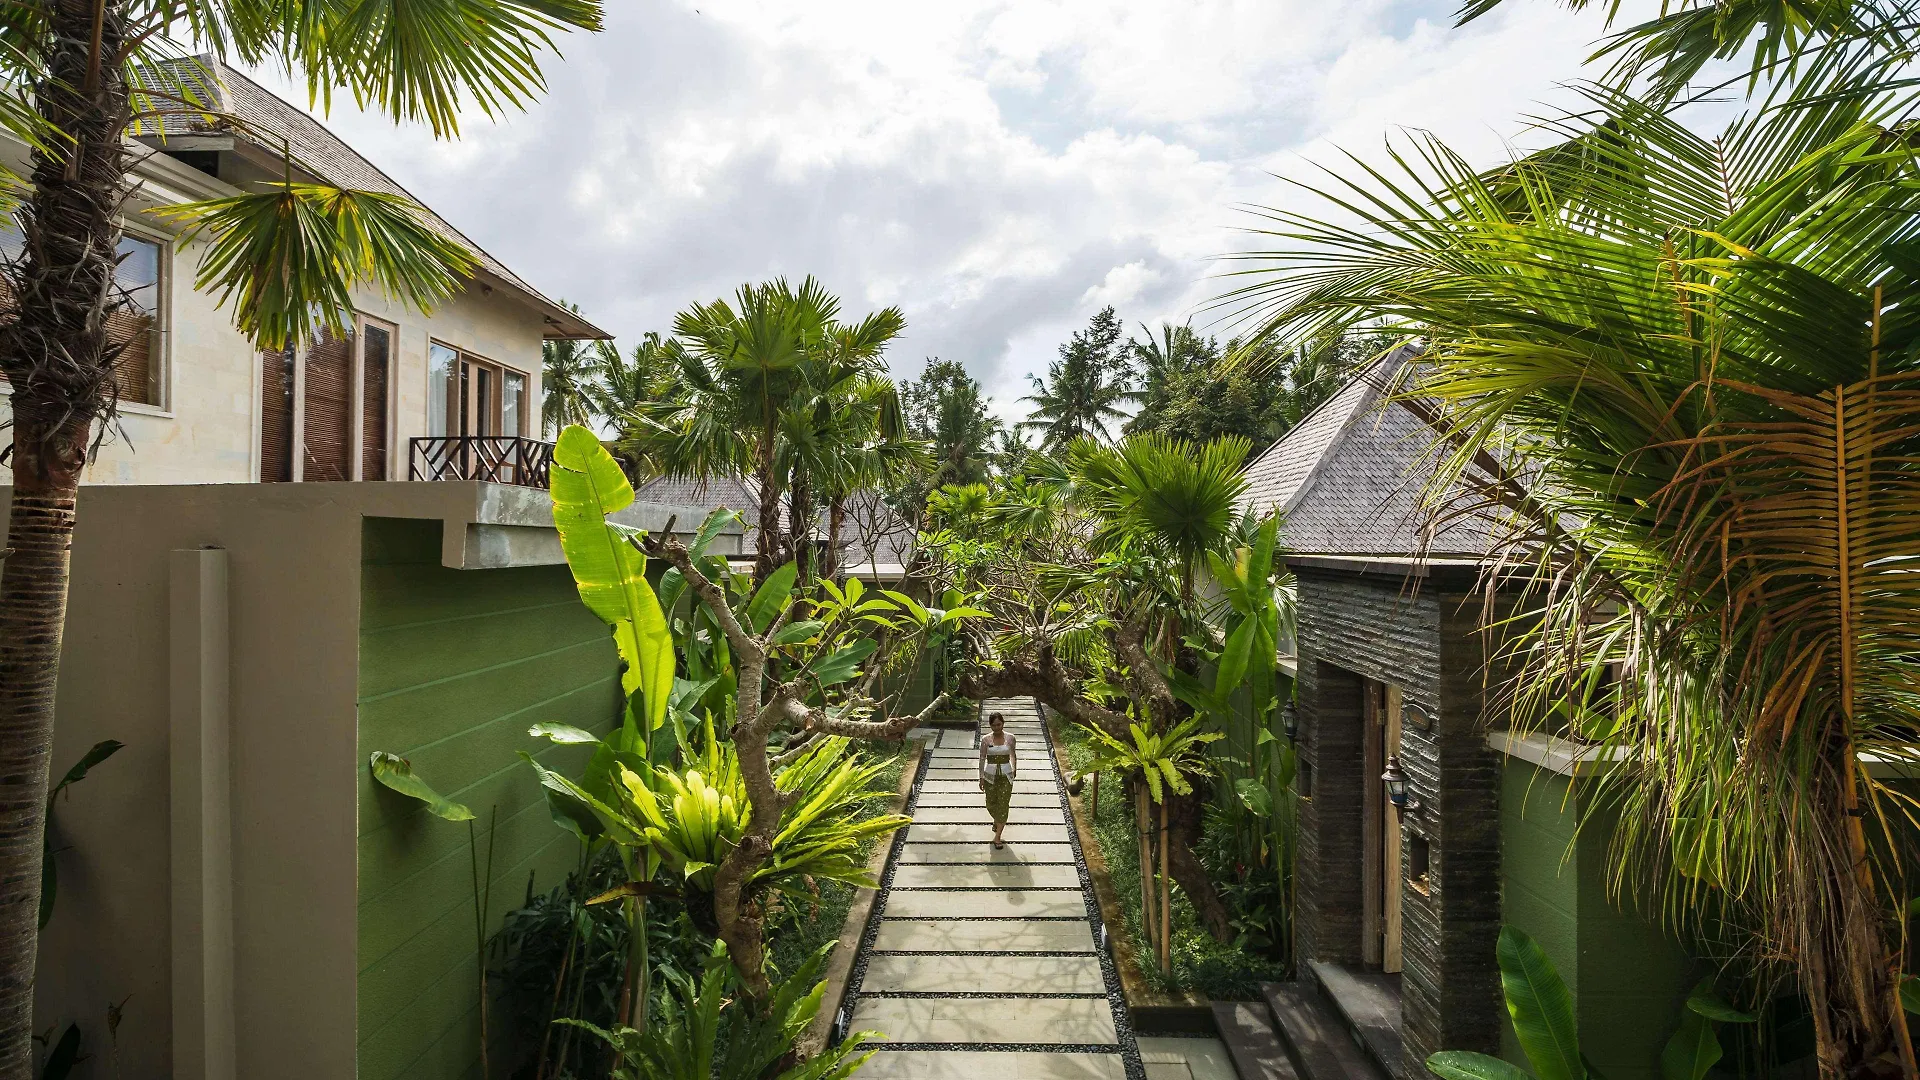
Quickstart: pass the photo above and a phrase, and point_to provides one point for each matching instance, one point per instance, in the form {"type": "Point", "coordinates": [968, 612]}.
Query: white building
{"type": "Point", "coordinates": [454, 394]}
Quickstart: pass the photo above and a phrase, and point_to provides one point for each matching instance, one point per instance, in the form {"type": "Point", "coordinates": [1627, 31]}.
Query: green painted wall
{"type": "Point", "coordinates": [1628, 977]}
{"type": "Point", "coordinates": [454, 666]}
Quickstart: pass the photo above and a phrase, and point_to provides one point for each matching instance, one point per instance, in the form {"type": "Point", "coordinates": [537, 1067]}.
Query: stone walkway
{"type": "Point", "coordinates": [988, 965]}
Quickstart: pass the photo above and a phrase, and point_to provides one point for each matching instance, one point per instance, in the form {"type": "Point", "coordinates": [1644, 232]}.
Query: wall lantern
{"type": "Point", "coordinates": [1396, 780]}
{"type": "Point", "coordinates": [1290, 720]}
{"type": "Point", "coordinates": [1417, 714]}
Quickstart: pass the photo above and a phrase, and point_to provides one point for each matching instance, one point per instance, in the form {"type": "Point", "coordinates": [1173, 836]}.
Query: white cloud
{"type": "Point", "coordinates": [998, 169]}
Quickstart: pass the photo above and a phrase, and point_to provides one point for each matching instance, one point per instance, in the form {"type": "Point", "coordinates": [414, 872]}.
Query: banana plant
{"type": "Point", "coordinates": [1549, 1034]}
{"type": "Point", "coordinates": [687, 1042]}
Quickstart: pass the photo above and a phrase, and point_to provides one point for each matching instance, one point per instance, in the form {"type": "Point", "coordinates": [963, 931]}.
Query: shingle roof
{"type": "Point", "coordinates": [1349, 478]}
{"type": "Point", "coordinates": [710, 493]}
{"type": "Point", "coordinates": [252, 113]}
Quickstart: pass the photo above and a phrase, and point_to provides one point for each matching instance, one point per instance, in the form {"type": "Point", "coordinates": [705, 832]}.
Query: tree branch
{"type": "Point", "coordinates": [1049, 682]}
{"type": "Point", "coordinates": [891, 728]}
{"type": "Point", "coordinates": [674, 552]}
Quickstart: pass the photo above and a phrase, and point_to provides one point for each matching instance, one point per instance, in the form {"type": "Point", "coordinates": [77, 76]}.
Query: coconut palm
{"type": "Point", "coordinates": [286, 256]}
{"type": "Point", "coordinates": [570, 373]}
{"type": "Point", "coordinates": [1701, 355]}
{"type": "Point", "coordinates": [1084, 390]}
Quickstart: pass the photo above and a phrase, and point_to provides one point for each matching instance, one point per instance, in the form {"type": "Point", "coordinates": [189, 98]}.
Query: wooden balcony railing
{"type": "Point", "coordinates": [499, 459]}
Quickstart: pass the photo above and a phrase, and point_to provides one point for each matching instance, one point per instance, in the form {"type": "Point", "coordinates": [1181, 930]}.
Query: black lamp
{"type": "Point", "coordinates": [1290, 720]}
{"type": "Point", "coordinates": [1396, 780]}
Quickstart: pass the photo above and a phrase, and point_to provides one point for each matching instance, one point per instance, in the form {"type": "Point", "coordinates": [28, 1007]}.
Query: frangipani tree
{"type": "Point", "coordinates": [284, 257]}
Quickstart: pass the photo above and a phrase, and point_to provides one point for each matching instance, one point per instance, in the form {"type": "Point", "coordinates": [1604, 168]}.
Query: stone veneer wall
{"type": "Point", "coordinates": [1422, 636]}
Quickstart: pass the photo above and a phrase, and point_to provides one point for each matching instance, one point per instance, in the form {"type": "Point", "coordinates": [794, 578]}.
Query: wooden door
{"type": "Point", "coordinates": [1391, 873]}
{"type": "Point", "coordinates": [1373, 802]}
{"type": "Point", "coordinates": [376, 362]}
{"type": "Point", "coordinates": [276, 416]}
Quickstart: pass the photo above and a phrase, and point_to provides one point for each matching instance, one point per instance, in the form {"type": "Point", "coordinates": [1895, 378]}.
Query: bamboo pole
{"type": "Point", "coordinates": [1143, 824]}
{"type": "Point", "coordinates": [1166, 906]}
{"type": "Point", "coordinates": [1096, 796]}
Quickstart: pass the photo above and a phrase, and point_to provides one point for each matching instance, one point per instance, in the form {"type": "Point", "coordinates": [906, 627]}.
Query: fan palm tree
{"type": "Point", "coordinates": [1161, 497]}
{"type": "Point", "coordinates": [285, 255]}
{"type": "Point", "coordinates": [628, 382]}
{"type": "Point", "coordinates": [1702, 354]}
{"type": "Point", "coordinates": [738, 370]}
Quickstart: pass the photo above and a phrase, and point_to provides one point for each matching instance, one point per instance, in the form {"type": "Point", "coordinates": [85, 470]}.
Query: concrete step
{"type": "Point", "coordinates": [1319, 1041]}
{"type": "Point", "coordinates": [1247, 1029]}
{"type": "Point", "coordinates": [1369, 1002]}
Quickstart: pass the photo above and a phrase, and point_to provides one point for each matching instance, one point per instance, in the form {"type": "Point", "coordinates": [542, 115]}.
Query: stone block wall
{"type": "Point", "coordinates": [1421, 635]}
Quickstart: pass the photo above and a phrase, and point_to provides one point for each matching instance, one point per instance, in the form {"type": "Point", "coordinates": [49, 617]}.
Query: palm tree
{"type": "Point", "coordinates": [628, 382]}
{"type": "Point", "coordinates": [1084, 389]}
{"type": "Point", "coordinates": [287, 256]}
{"type": "Point", "coordinates": [746, 396]}
{"type": "Point", "coordinates": [739, 367]}
{"type": "Point", "coordinates": [570, 373]}
{"type": "Point", "coordinates": [945, 407]}
{"type": "Point", "coordinates": [1701, 355]}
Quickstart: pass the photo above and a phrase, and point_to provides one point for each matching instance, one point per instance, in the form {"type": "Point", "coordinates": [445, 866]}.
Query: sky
{"type": "Point", "coordinates": [998, 170]}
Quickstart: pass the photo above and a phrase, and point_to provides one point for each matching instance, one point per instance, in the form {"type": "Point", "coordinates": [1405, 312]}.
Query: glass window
{"type": "Point", "coordinates": [513, 393]}
{"type": "Point", "coordinates": [134, 330]}
{"type": "Point", "coordinates": [442, 363]}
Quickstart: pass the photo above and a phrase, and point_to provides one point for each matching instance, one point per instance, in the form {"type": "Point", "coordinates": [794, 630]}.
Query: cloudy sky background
{"type": "Point", "coordinates": [998, 170]}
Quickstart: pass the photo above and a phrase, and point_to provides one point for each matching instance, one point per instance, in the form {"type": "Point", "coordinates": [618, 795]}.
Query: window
{"type": "Point", "coordinates": [469, 395]}
{"type": "Point", "coordinates": [376, 366]}
{"type": "Point", "coordinates": [137, 329]}
{"type": "Point", "coordinates": [442, 362]}
{"type": "Point", "coordinates": [1419, 863]}
{"type": "Point", "coordinates": [513, 393]}
{"type": "Point", "coordinates": [326, 408]}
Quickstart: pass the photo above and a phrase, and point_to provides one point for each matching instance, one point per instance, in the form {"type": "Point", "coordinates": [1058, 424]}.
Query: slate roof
{"type": "Point", "coordinates": [1349, 478]}
{"type": "Point", "coordinates": [710, 493]}
{"type": "Point", "coordinates": [253, 114]}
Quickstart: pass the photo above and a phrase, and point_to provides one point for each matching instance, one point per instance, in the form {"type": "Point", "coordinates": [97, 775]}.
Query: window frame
{"type": "Point", "coordinates": [162, 348]}
{"type": "Point", "coordinates": [361, 320]}
{"type": "Point", "coordinates": [499, 371]}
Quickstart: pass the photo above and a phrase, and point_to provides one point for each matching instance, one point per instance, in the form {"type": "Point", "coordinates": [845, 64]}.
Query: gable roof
{"type": "Point", "coordinates": [272, 125]}
{"type": "Point", "coordinates": [710, 493]}
{"type": "Point", "coordinates": [1348, 479]}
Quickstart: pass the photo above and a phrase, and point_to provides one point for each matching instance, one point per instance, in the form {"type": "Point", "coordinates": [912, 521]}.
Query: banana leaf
{"type": "Point", "coordinates": [1467, 1065]}
{"type": "Point", "coordinates": [1541, 1007]}
{"type": "Point", "coordinates": [1693, 1049]}
{"type": "Point", "coordinates": [396, 772]}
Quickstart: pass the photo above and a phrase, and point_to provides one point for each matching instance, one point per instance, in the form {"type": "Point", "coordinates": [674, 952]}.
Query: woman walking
{"type": "Point", "coordinates": [999, 764]}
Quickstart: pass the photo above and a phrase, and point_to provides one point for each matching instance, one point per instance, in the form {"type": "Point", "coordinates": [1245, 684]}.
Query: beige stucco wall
{"type": "Point", "coordinates": [206, 431]}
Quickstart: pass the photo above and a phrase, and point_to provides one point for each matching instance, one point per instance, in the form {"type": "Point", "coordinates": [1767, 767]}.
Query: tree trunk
{"type": "Point", "coordinates": [768, 544]}
{"type": "Point", "coordinates": [1190, 873]}
{"type": "Point", "coordinates": [1851, 983]}
{"type": "Point", "coordinates": [800, 524]}
{"type": "Point", "coordinates": [1143, 824]}
{"type": "Point", "coordinates": [1166, 900]}
{"type": "Point", "coordinates": [55, 355]}
{"type": "Point", "coordinates": [836, 522]}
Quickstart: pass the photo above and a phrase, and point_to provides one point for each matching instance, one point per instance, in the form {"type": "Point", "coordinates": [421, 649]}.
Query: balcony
{"type": "Point", "coordinates": [497, 459]}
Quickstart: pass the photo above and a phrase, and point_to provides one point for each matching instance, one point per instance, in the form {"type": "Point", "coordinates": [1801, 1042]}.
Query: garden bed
{"type": "Point", "coordinates": [1203, 969]}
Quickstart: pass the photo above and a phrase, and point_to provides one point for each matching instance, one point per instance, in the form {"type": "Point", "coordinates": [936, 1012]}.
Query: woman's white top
{"type": "Point", "coordinates": [991, 769]}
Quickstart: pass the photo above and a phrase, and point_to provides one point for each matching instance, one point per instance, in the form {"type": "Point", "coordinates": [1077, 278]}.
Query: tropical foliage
{"type": "Point", "coordinates": [1092, 567]}
{"type": "Point", "coordinates": [773, 386]}
{"type": "Point", "coordinates": [1085, 389]}
{"type": "Point", "coordinates": [686, 1043]}
{"type": "Point", "coordinates": [788, 672]}
{"type": "Point", "coordinates": [1696, 350]}
{"type": "Point", "coordinates": [1198, 390]}
{"type": "Point", "coordinates": [1546, 1026]}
